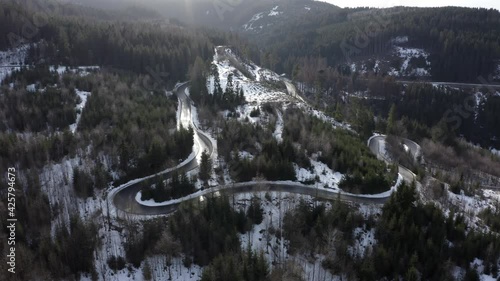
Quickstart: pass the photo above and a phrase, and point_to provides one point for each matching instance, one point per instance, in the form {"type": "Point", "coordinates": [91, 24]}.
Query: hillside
{"type": "Point", "coordinates": [452, 50]}
{"type": "Point", "coordinates": [248, 141]}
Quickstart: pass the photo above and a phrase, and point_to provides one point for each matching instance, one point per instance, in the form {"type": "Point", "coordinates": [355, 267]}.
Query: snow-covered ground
{"type": "Point", "coordinates": [254, 89]}
{"type": "Point", "coordinates": [459, 273]}
{"type": "Point", "coordinates": [364, 240]}
{"type": "Point", "coordinates": [258, 91]}
{"type": "Point", "coordinates": [481, 98]}
{"type": "Point", "coordinates": [245, 155]}
{"type": "Point", "coordinates": [79, 108]}
{"type": "Point", "coordinates": [245, 110]}
{"type": "Point", "coordinates": [11, 59]}
{"type": "Point", "coordinates": [81, 70]}
{"type": "Point", "coordinates": [274, 12]}
{"type": "Point", "coordinates": [31, 88]}
{"type": "Point", "coordinates": [112, 238]}
{"type": "Point", "coordinates": [265, 236]}
{"type": "Point", "coordinates": [256, 24]}
{"type": "Point", "coordinates": [56, 179]}
{"type": "Point", "coordinates": [406, 54]}
{"type": "Point", "coordinates": [473, 205]}
{"type": "Point", "coordinates": [326, 177]}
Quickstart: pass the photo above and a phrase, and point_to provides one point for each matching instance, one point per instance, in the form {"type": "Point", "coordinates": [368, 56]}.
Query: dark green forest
{"type": "Point", "coordinates": [464, 42]}
{"type": "Point", "coordinates": [127, 117]}
{"type": "Point", "coordinates": [70, 36]}
{"type": "Point", "coordinates": [414, 240]}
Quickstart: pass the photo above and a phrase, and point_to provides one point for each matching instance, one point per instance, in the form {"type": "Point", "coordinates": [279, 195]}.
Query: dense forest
{"type": "Point", "coordinates": [455, 112]}
{"type": "Point", "coordinates": [341, 151]}
{"type": "Point", "coordinates": [71, 36]}
{"type": "Point", "coordinates": [138, 124]}
{"type": "Point", "coordinates": [415, 240]}
{"type": "Point", "coordinates": [418, 107]}
{"type": "Point", "coordinates": [123, 128]}
{"type": "Point", "coordinates": [127, 128]}
{"type": "Point", "coordinates": [274, 160]}
{"type": "Point", "coordinates": [461, 50]}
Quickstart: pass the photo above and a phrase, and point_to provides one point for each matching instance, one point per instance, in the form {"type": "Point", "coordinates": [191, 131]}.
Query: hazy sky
{"type": "Point", "coordinates": [420, 3]}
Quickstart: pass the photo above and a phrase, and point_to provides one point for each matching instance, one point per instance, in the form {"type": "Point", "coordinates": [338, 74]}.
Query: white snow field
{"type": "Point", "coordinates": [263, 86]}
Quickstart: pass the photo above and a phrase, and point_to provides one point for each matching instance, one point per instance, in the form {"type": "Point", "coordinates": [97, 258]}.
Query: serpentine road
{"type": "Point", "coordinates": [123, 197]}
{"type": "Point", "coordinates": [375, 143]}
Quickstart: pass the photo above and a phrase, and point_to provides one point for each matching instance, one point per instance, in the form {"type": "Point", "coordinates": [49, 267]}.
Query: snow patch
{"type": "Point", "coordinates": [245, 155]}
{"type": "Point", "coordinates": [12, 60]}
{"type": "Point", "coordinates": [406, 148]}
{"type": "Point", "coordinates": [31, 88]}
{"type": "Point", "coordinates": [249, 25]}
{"type": "Point", "coordinates": [274, 12]}
{"type": "Point", "coordinates": [363, 241]}
{"type": "Point", "coordinates": [82, 70]}
{"type": "Point", "coordinates": [255, 90]}
{"type": "Point", "coordinates": [479, 266]}
{"type": "Point", "coordinates": [406, 54]}
{"type": "Point", "coordinates": [79, 108]}
{"type": "Point", "coordinates": [326, 177]}
{"type": "Point", "coordinates": [399, 40]}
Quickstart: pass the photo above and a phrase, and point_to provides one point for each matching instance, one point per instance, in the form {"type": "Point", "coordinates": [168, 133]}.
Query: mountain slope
{"type": "Point", "coordinates": [462, 43]}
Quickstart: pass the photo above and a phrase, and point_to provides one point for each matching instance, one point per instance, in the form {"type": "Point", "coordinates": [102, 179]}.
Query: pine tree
{"type": "Point", "coordinates": [197, 75]}
{"type": "Point", "coordinates": [391, 120]}
{"type": "Point", "coordinates": [241, 97]}
{"type": "Point", "coordinates": [205, 167]}
{"type": "Point", "coordinates": [229, 92]}
{"type": "Point", "coordinates": [255, 212]}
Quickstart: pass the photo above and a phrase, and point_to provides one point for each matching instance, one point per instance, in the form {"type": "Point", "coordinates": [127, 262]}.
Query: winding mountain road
{"type": "Point", "coordinates": [124, 197]}
{"type": "Point", "coordinates": [375, 145]}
